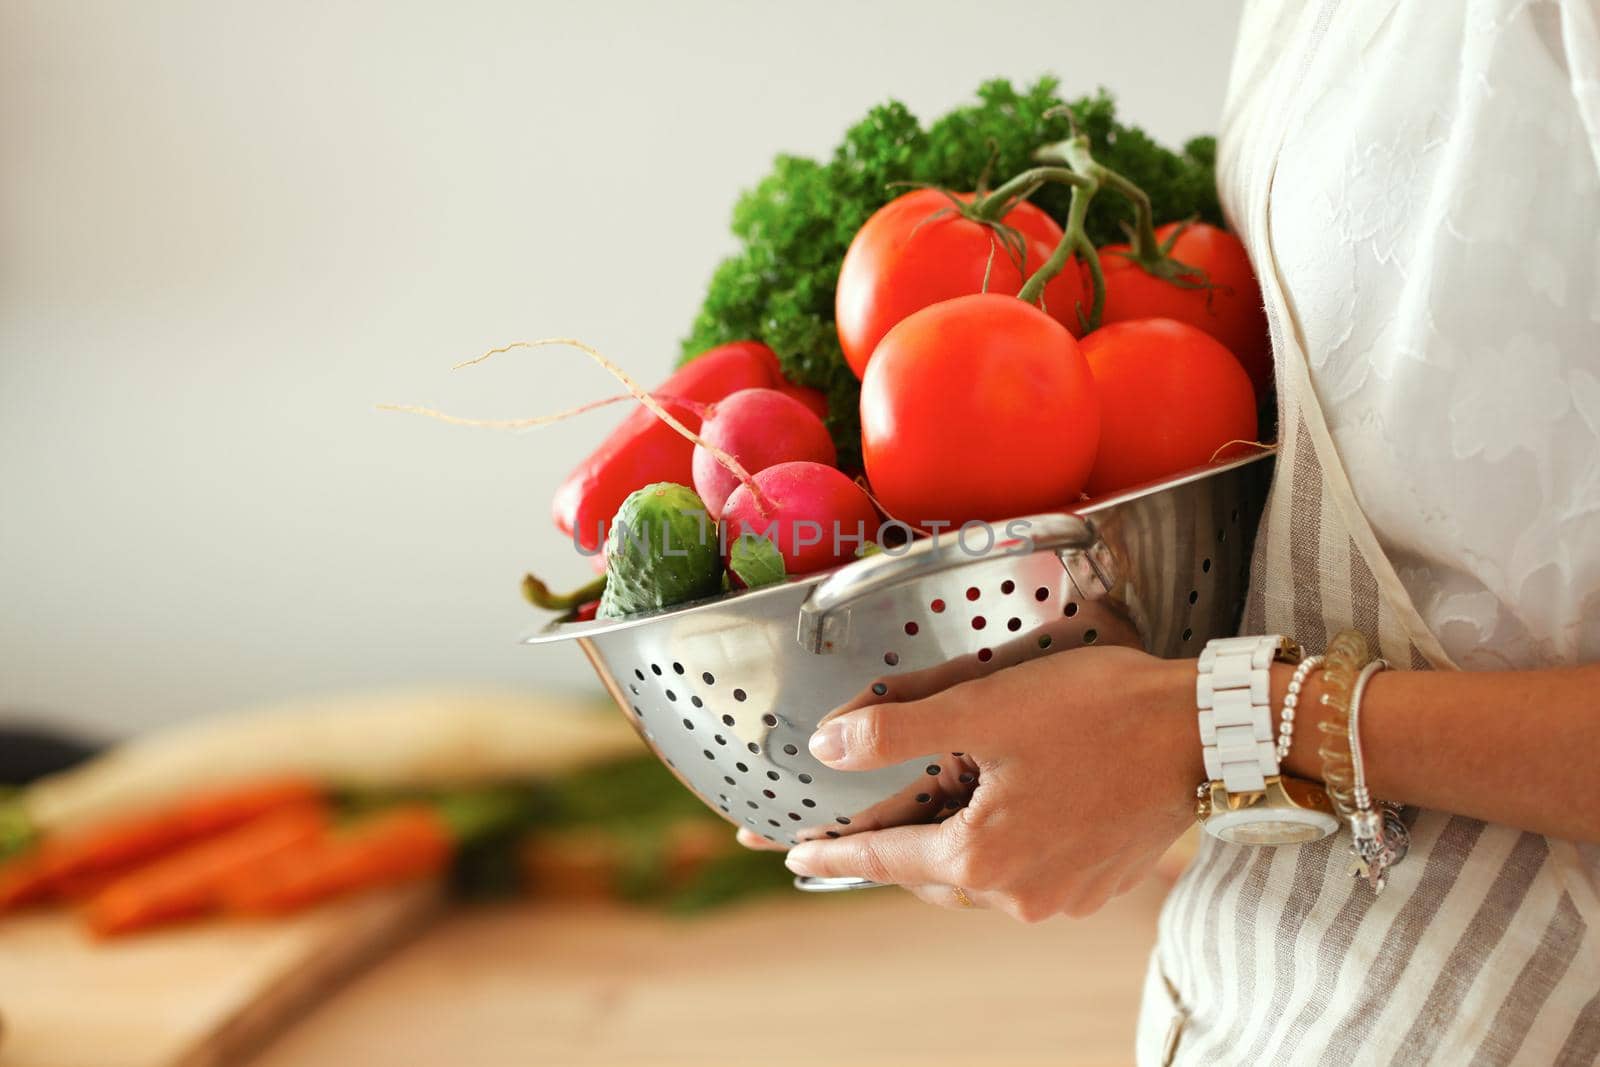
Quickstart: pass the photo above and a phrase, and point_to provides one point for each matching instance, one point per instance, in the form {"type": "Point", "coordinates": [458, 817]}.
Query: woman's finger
{"type": "Point", "coordinates": [751, 839]}
{"type": "Point", "coordinates": [902, 855]}
{"type": "Point", "coordinates": [881, 735]}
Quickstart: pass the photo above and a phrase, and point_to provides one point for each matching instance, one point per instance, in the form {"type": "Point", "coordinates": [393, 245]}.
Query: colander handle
{"type": "Point", "coordinates": [825, 615]}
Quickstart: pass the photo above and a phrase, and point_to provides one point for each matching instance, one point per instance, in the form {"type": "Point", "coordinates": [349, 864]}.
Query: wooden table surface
{"type": "Point", "coordinates": [865, 978]}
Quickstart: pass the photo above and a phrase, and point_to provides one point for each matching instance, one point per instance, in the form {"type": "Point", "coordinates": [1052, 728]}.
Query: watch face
{"type": "Point", "coordinates": [1271, 832]}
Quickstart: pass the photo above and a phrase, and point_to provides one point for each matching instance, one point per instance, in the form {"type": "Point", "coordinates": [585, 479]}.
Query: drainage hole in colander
{"type": "Point", "coordinates": [637, 673]}
{"type": "Point", "coordinates": [985, 655]}
{"type": "Point", "coordinates": [727, 720]}
{"type": "Point", "coordinates": [655, 670]}
{"type": "Point", "coordinates": [719, 739]}
{"type": "Point", "coordinates": [637, 710]}
{"type": "Point", "coordinates": [708, 753]}
{"type": "Point", "coordinates": [1194, 596]}
{"type": "Point", "coordinates": [774, 775]}
{"type": "Point", "coordinates": [842, 820]}
{"type": "Point", "coordinates": [808, 802]}
{"type": "Point", "coordinates": [972, 592]}
{"type": "Point", "coordinates": [1041, 594]}
{"type": "Point", "coordinates": [708, 678]}
{"type": "Point", "coordinates": [832, 833]}
{"type": "Point", "coordinates": [966, 778]}
{"type": "Point", "coordinates": [952, 804]}
{"type": "Point", "coordinates": [672, 696]}
{"type": "Point", "coordinates": [1008, 586]}
{"type": "Point", "coordinates": [1222, 535]}
{"type": "Point", "coordinates": [633, 687]}
{"type": "Point", "coordinates": [770, 719]}
{"type": "Point", "coordinates": [774, 822]}
{"type": "Point", "coordinates": [790, 750]}
{"type": "Point", "coordinates": [729, 779]}
{"type": "Point", "coordinates": [669, 763]}
{"type": "Point", "coordinates": [1044, 640]}
{"type": "Point", "coordinates": [742, 768]}
{"type": "Point", "coordinates": [724, 808]}
{"type": "Point", "coordinates": [697, 702]}
{"type": "Point", "coordinates": [688, 724]}
{"type": "Point", "coordinates": [1187, 633]}
{"type": "Point", "coordinates": [1090, 636]}
{"type": "Point", "coordinates": [794, 815]}
{"type": "Point", "coordinates": [936, 605]}
{"type": "Point", "coordinates": [1071, 609]}
{"type": "Point", "coordinates": [932, 768]}
{"type": "Point", "coordinates": [677, 668]}
{"type": "Point", "coordinates": [739, 695]}
{"type": "Point", "coordinates": [892, 658]}
{"type": "Point", "coordinates": [911, 629]}
{"type": "Point", "coordinates": [722, 797]}
{"type": "Point", "coordinates": [805, 778]}
{"type": "Point", "coordinates": [1205, 565]}
{"type": "Point", "coordinates": [749, 820]}
{"type": "Point", "coordinates": [769, 794]}
{"type": "Point", "coordinates": [879, 689]}
{"type": "Point", "coordinates": [753, 747]}
{"type": "Point", "coordinates": [1013, 624]}
{"type": "Point", "coordinates": [979, 622]}
{"type": "Point", "coordinates": [923, 798]}
{"type": "Point", "coordinates": [752, 805]}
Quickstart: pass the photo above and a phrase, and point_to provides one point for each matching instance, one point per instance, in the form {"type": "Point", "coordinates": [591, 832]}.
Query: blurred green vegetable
{"type": "Point", "coordinates": [795, 225]}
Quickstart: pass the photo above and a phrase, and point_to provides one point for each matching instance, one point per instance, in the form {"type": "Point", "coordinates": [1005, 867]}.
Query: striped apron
{"type": "Point", "coordinates": [1485, 947]}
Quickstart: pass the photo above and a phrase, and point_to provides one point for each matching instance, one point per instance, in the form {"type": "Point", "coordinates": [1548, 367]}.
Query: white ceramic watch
{"type": "Point", "coordinates": [1247, 800]}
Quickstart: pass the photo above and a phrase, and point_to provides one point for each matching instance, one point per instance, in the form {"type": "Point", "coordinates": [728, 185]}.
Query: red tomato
{"type": "Point", "coordinates": [1170, 397]}
{"type": "Point", "coordinates": [980, 407]}
{"type": "Point", "coordinates": [1230, 310]}
{"type": "Point", "coordinates": [908, 256]}
{"type": "Point", "coordinates": [643, 449]}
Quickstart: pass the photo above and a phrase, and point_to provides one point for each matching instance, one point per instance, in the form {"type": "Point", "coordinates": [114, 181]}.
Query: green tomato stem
{"type": "Point", "coordinates": [994, 206]}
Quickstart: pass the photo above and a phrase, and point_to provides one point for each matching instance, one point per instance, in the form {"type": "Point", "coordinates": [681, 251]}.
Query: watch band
{"type": "Point", "coordinates": [1232, 693]}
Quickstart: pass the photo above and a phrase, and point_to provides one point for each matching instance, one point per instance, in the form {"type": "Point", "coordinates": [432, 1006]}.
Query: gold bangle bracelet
{"type": "Point", "coordinates": [1346, 655]}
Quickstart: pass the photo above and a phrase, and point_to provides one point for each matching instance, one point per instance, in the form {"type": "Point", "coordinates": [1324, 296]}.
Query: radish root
{"type": "Point", "coordinates": [635, 390]}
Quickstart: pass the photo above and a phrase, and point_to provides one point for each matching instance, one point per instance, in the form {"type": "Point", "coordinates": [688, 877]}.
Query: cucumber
{"type": "Point", "coordinates": [661, 550]}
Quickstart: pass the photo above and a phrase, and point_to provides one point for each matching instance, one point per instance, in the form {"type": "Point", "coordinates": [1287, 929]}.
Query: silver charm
{"type": "Point", "coordinates": [1379, 840]}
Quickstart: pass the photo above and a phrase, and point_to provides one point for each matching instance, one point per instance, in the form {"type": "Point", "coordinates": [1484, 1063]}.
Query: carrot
{"type": "Point", "coordinates": [398, 845]}
{"type": "Point", "coordinates": [188, 882]}
{"type": "Point", "coordinates": [79, 858]}
{"type": "Point", "coordinates": [23, 881]}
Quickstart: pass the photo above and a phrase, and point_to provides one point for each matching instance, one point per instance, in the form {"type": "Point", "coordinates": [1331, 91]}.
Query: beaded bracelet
{"type": "Point", "coordinates": [1291, 701]}
{"type": "Point", "coordinates": [1346, 655]}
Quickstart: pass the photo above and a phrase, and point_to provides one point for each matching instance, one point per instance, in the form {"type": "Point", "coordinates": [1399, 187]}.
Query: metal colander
{"type": "Point", "coordinates": [728, 691]}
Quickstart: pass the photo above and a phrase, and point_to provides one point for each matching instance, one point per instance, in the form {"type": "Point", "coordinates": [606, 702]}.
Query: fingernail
{"type": "Point", "coordinates": [796, 860]}
{"type": "Point", "coordinates": [827, 744]}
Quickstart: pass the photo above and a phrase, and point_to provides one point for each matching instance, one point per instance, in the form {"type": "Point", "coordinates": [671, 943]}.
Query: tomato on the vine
{"type": "Point", "coordinates": [1221, 297]}
{"type": "Point", "coordinates": [977, 408]}
{"type": "Point", "coordinates": [918, 250]}
{"type": "Point", "coordinates": [1171, 398]}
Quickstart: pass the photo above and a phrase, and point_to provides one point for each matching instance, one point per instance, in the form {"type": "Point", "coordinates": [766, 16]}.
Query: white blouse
{"type": "Point", "coordinates": [1436, 227]}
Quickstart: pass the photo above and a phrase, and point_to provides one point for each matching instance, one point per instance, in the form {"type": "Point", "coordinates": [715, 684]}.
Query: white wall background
{"type": "Point", "coordinates": [227, 230]}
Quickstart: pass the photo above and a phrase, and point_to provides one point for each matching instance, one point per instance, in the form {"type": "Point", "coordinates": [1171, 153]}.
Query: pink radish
{"type": "Point", "coordinates": [759, 428]}
{"type": "Point", "coordinates": [815, 516]}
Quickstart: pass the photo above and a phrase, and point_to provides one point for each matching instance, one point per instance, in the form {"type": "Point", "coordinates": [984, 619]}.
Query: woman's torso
{"type": "Point", "coordinates": [1418, 187]}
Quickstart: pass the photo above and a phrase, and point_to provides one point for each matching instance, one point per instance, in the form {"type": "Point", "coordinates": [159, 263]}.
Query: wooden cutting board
{"type": "Point", "coordinates": [193, 997]}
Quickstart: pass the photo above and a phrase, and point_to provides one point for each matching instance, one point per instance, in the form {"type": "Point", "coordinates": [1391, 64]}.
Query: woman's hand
{"type": "Point", "coordinates": [1088, 764]}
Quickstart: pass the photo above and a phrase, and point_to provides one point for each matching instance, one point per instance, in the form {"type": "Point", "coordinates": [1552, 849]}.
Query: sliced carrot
{"type": "Point", "coordinates": [74, 859]}
{"type": "Point", "coordinates": [189, 882]}
{"type": "Point", "coordinates": [398, 845]}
